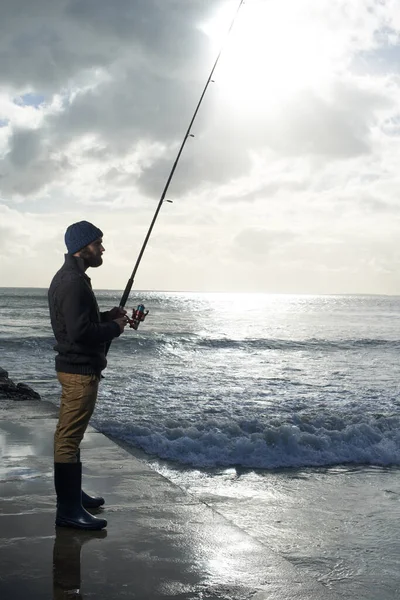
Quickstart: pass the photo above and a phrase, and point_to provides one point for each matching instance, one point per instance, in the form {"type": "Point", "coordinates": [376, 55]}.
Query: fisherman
{"type": "Point", "coordinates": [82, 333]}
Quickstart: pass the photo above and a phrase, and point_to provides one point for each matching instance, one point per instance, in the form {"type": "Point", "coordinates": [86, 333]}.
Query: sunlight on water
{"type": "Point", "coordinates": [246, 379]}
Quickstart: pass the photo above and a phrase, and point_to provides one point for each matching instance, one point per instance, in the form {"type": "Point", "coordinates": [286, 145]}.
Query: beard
{"type": "Point", "coordinates": [91, 259]}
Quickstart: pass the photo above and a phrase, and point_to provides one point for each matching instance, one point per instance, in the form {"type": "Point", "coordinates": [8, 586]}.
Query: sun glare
{"type": "Point", "coordinates": [274, 51]}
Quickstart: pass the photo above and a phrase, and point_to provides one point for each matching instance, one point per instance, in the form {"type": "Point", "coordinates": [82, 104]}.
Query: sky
{"type": "Point", "coordinates": [289, 185]}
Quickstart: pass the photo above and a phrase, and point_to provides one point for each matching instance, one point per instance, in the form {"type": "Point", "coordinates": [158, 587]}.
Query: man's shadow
{"type": "Point", "coordinates": [67, 561]}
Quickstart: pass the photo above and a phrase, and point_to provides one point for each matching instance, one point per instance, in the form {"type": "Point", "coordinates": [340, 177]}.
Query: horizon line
{"type": "Point", "coordinates": [394, 295]}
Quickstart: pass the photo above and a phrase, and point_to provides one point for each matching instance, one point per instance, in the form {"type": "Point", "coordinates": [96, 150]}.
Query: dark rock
{"type": "Point", "coordinates": [7, 385]}
{"type": "Point", "coordinates": [25, 390]}
{"type": "Point", "coordinates": [3, 373]}
{"type": "Point", "coordinates": [11, 391]}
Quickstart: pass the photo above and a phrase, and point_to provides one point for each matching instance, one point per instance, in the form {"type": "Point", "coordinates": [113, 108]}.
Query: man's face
{"type": "Point", "coordinates": [91, 254]}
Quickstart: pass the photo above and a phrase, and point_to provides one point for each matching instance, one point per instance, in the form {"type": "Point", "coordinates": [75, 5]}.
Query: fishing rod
{"type": "Point", "coordinates": [139, 314]}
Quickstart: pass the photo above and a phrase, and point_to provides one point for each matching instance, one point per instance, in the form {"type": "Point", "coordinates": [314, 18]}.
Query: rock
{"type": "Point", "coordinates": [25, 390]}
{"type": "Point", "coordinates": [7, 385]}
{"type": "Point", "coordinates": [11, 391]}
{"type": "Point", "coordinates": [3, 373]}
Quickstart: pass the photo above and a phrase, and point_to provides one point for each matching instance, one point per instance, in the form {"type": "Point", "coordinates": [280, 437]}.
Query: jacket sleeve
{"type": "Point", "coordinates": [77, 305]}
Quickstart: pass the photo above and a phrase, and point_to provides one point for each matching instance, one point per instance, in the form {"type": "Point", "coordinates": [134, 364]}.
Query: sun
{"type": "Point", "coordinates": [276, 48]}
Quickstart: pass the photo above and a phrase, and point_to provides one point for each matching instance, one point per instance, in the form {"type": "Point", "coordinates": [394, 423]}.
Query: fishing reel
{"type": "Point", "coordinates": [138, 316]}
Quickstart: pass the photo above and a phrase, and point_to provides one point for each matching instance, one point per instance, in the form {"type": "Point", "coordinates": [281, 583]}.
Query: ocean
{"type": "Point", "coordinates": [280, 411]}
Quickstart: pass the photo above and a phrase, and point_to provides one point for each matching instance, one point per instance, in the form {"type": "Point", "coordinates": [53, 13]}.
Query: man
{"type": "Point", "coordinates": [82, 333]}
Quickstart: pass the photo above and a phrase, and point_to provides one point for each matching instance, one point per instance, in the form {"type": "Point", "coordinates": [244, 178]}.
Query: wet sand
{"type": "Point", "coordinates": [160, 541]}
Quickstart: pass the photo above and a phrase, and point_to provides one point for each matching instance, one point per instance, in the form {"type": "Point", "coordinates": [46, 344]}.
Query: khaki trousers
{"type": "Point", "coordinates": [78, 399]}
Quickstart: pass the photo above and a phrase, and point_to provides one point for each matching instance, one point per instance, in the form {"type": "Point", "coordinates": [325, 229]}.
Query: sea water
{"type": "Point", "coordinates": [280, 411]}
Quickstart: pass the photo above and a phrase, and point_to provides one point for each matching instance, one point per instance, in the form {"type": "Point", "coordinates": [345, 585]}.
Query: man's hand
{"type": "Point", "coordinates": [121, 322]}
{"type": "Point", "coordinates": [116, 313]}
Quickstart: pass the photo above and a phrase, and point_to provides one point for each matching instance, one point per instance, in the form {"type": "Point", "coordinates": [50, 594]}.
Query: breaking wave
{"type": "Point", "coordinates": [307, 443]}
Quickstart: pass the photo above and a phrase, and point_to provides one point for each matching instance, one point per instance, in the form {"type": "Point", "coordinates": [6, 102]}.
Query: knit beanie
{"type": "Point", "coordinates": [80, 235]}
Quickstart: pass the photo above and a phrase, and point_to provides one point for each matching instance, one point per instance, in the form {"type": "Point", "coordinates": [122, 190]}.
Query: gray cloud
{"type": "Point", "coordinates": [257, 243]}
{"type": "Point", "coordinates": [153, 63]}
{"type": "Point", "coordinates": [47, 42]}
{"type": "Point", "coordinates": [153, 57]}
{"type": "Point", "coordinates": [40, 48]}
{"type": "Point", "coordinates": [332, 129]}
{"type": "Point", "coordinates": [30, 164]}
{"type": "Point", "coordinates": [24, 144]}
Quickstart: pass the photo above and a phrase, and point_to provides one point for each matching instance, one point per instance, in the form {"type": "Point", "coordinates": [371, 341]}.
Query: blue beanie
{"type": "Point", "coordinates": [80, 235]}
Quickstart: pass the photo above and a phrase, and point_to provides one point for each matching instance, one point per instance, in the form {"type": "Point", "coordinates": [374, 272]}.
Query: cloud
{"type": "Point", "coordinates": [294, 163]}
{"type": "Point", "coordinates": [257, 243]}
{"type": "Point", "coordinates": [30, 164]}
{"type": "Point", "coordinates": [48, 45]}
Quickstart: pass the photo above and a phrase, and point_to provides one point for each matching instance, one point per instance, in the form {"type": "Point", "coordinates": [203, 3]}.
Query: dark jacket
{"type": "Point", "coordinates": [80, 329]}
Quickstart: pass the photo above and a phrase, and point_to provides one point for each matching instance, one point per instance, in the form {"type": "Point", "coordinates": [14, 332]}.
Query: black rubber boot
{"type": "Point", "coordinates": [70, 512]}
{"type": "Point", "coordinates": [89, 501]}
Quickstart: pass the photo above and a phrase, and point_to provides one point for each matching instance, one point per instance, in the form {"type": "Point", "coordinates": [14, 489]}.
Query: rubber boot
{"type": "Point", "coordinates": [70, 512]}
{"type": "Point", "coordinates": [89, 501]}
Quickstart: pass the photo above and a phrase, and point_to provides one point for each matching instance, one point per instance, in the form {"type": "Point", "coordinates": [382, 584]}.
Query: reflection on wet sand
{"type": "Point", "coordinates": [67, 561]}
